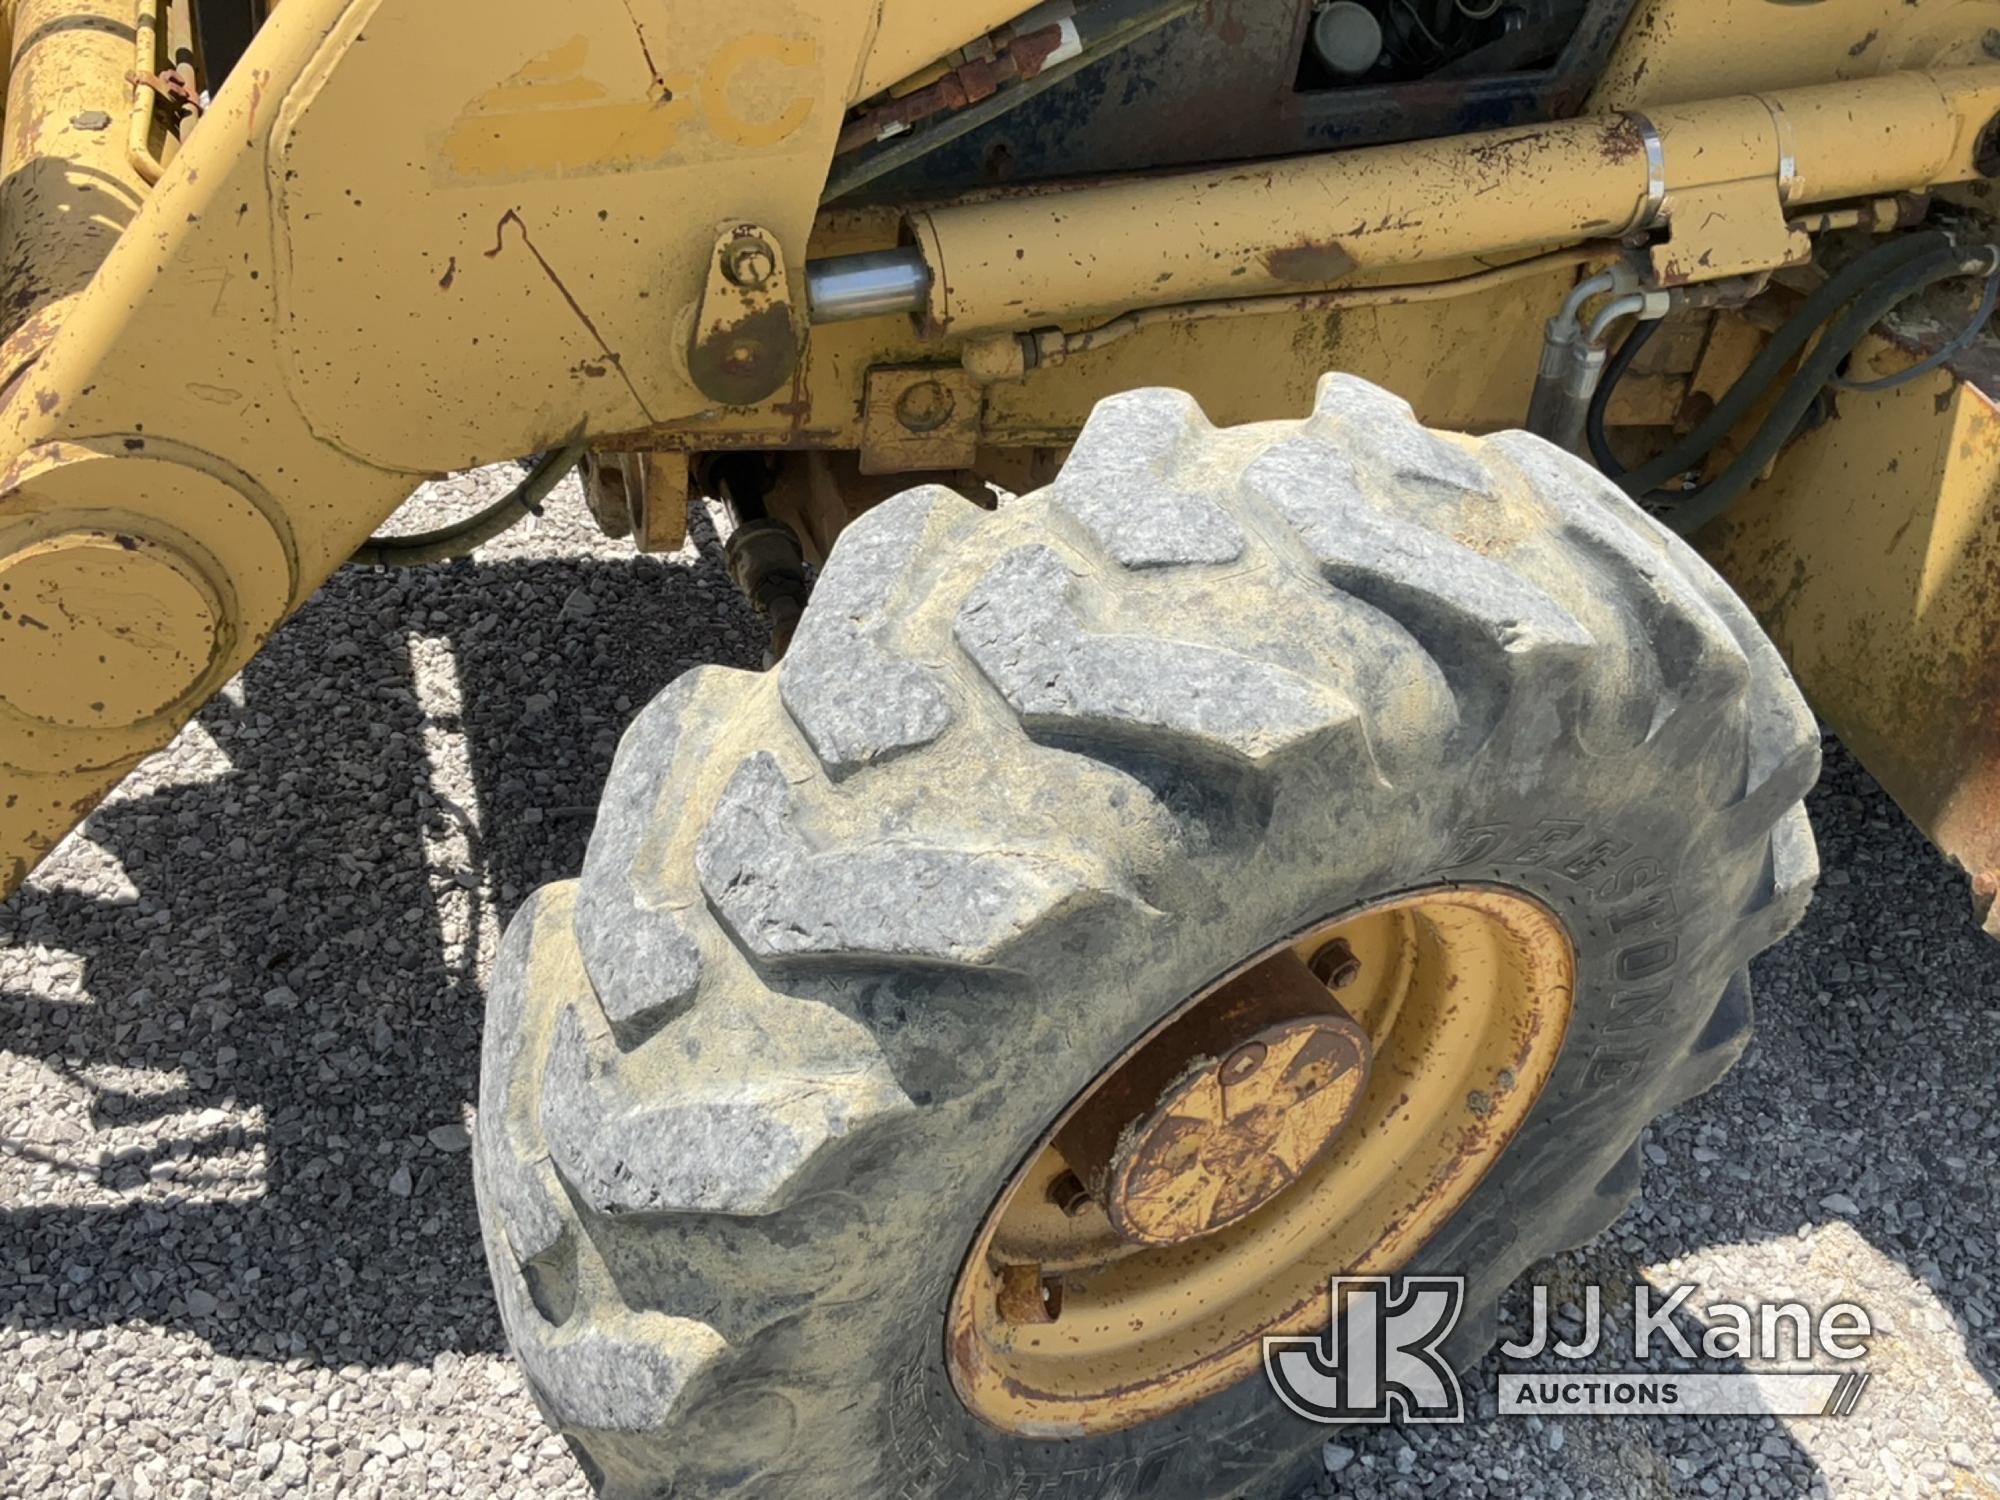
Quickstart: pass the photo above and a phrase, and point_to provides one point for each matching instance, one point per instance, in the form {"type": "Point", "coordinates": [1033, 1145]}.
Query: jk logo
{"type": "Point", "coordinates": [1381, 1358]}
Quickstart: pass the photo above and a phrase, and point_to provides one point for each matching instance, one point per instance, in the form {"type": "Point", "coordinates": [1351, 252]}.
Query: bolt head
{"type": "Point", "coordinates": [924, 406]}
{"type": "Point", "coordinates": [749, 262]}
{"type": "Point", "coordinates": [1068, 1193]}
{"type": "Point", "coordinates": [1335, 965]}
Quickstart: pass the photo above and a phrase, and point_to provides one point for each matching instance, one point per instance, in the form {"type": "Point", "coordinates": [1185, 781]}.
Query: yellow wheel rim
{"type": "Point", "coordinates": [1070, 1317]}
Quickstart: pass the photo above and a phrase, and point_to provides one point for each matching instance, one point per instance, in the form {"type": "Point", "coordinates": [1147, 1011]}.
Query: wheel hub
{"type": "Point", "coordinates": [1235, 1114]}
{"type": "Point", "coordinates": [1323, 1111]}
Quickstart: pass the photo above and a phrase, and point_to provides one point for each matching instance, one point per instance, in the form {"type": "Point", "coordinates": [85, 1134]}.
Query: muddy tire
{"type": "Point", "coordinates": [850, 935]}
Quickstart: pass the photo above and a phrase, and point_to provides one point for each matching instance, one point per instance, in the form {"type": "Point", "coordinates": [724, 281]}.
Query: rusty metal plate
{"type": "Point", "coordinates": [920, 417]}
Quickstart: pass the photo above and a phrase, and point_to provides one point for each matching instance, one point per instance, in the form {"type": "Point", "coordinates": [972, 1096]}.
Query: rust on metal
{"type": "Point", "coordinates": [925, 406]}
{"type": "Point", "coordinates": [659, 505]}
{"type": "Point", "coordinates": [920, 417]}
{"type": "Point", "coordinates": [614, 490]}
{"type": "Point", "coordinates": [1892, 619]}
{"type": "Point", "coordinates": [1624, 140]}
{"type": "Point", "coordinates": [743, 345]}
{"type": "Point", "coordinates": [1310, 263]}
{"type": "Point", "coordinates": [175, 88]}
{"type": "Point", "coordinates": [66, 188]}
{"type": "Point", "coordinates": [748, 261]}
{"type": "Point", "coordinates": [977, 78]}
{"type": "Point", "coordinates": [265, 225]}
{"type": "Point", "coordinates": [1223, 1111]}
{"type": "Point", "coordinates": [1334, 965]}
{"type": "Point", "coordinates": [745, 359]}
{"type": "Point", "coordinates": [1069, 1194]}
{"type": "Point", "coordinates": [1234, 1136]}
{"type": "Point", "coordinates": [1026, 1296]}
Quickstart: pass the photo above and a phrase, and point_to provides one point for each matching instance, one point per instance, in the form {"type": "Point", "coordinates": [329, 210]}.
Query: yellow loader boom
{"type": "Point", "coordinates": [247, 316]}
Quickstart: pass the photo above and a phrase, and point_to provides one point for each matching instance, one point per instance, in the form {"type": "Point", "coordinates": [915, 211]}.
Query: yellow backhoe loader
{"type": "Point", "coordinates": [1298, 537]}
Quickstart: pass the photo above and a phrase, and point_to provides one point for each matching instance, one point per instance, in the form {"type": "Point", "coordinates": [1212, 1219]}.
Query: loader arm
{"type": "Point", "coordinates": [406, 238]}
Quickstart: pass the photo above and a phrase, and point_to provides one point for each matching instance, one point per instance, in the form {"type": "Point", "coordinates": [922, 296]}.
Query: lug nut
{"type": "Point", "coordinates": [1335, 965]}
{"type": "Point", "coordinates": [1068, 1193]}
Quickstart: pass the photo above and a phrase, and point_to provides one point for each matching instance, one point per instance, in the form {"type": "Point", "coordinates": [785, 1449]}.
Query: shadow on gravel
{"type": "Point", "coordinates": [1867, 1095]}
{"type": "Point", "coordinates": [293, 976]}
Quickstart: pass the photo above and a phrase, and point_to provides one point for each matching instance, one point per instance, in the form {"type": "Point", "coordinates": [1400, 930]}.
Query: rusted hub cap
{"type": "Point", "coordinates": [1236, 1113]}
{"type": "Point", "coordinates": [1322, 1112]}
{"type": "Point", "coordinates": [1235, 1135]}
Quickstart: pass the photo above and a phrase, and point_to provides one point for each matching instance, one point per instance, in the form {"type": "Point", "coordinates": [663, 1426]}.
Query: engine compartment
{"type": "Point", "coordinates": [1239, 80]}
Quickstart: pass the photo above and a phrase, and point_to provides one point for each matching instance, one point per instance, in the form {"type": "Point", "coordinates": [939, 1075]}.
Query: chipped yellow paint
{"type": "Point", "coordinates": [66, 191]}
{"type": "Point", "coordinates": [913, 34]}
{"type": "Point", "coordinates": [1872, 556]}
{"type": "Point", "coordinates": [100, 628]}
{"type": "Point", "coordinates": [750, 92]}
{"type": "Point", "coordinates": [313, 309]}
{"type": "Point", "coordinates": [1732, 166]}
{"type": "Point", "coordinates": [556, 118]}
{"type": "Point", "coordinates": [547, 122]}
{"type": "Point", "coordinates": [1678, 51]}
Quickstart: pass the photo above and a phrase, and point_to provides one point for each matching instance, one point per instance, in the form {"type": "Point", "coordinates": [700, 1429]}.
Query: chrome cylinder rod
{"type": "Point", "coordinates": [868, 285]}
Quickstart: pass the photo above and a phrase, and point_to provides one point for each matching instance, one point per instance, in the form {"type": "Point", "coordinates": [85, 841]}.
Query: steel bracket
{"type": "Point", "coordinates": [1724, 229]}
{"type": "Point", "coordinates": [920, 417]}
{"type": "Point", "coordinates": [744, 343]}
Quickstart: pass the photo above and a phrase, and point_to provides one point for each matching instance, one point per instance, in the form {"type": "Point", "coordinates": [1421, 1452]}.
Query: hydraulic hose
{"type": "Point", "coordinates": [1600, 400]}
{"type": "Point", "coordinates": [1843, 287]}
{"type": "Point", "coordinates": [1688, 513]}
{"type": "Point", "coordinates": [460, 537]}
{"type": "Point", "coordinates": [1989, 299]}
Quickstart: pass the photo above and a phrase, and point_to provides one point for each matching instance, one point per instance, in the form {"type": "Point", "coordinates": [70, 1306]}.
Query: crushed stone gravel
{"type": "Point", "coordinates": [239, 1026]}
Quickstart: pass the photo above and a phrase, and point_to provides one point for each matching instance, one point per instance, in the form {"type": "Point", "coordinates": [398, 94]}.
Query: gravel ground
{"type": "Point", "coordinates": [239, 1021]}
